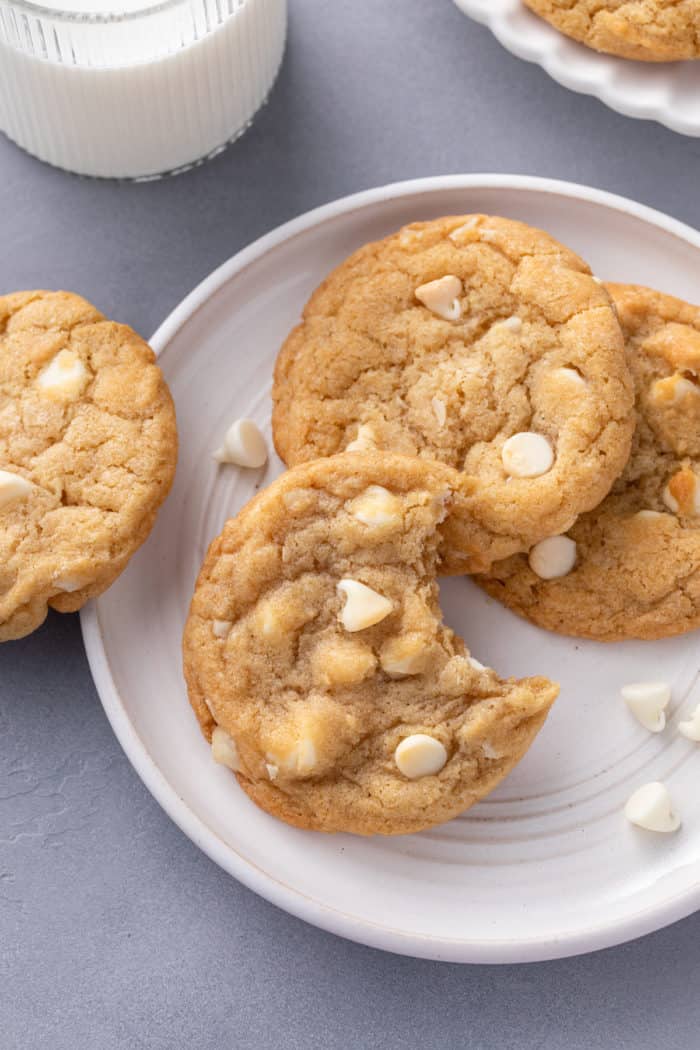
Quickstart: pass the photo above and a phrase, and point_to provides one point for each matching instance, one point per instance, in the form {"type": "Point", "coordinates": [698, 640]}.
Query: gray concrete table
{"type": "Point", "coordinates": [115, 931]}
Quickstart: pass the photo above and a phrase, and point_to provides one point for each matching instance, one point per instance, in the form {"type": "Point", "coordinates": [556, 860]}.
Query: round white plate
{"type": "Point", "coordinates": [547, 866]}
{"type": "Point", "coordinates": [665, 91]}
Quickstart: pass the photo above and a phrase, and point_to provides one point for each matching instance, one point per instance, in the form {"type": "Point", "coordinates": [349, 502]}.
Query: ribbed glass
{"type": "Point", "coordinates": [139, 91]}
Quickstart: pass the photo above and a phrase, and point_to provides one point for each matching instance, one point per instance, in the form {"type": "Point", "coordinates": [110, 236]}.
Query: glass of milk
{"type": "Point", "coordinates": [135, 88]}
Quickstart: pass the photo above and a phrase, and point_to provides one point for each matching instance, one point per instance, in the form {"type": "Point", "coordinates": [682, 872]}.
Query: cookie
{"type": "Point", "coordinates": [318, 665]}
{"type": "Point", "coordinates": [476, 341]}
{"type": "Point", "coordinates": [631, 567]}
{"type": "Point", "coordinates": [649, 30]}
{"type": "Point", "coordinates": [88, 445]}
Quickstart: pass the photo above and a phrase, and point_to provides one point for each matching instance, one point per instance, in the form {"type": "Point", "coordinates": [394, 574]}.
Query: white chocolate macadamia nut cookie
{"type": "Point", "coordinates": [476, 341]}
{"type": "Point", "coordinates": [315, 644]}
{"type": "Point", "coordinates": [88, 445]}
{"type": "Point", "coordinates": [633, 566]}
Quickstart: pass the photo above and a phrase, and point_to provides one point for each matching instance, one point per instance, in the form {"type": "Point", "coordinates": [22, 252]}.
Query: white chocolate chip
{"type": "Point", "coordinates": [13, 487]}
{"type": "Point", "coordinates": [410, 237]}
{"type": "Point", "coordinates": [647, 701]}
{"type": "Point", "coordinates": [569, 375]}
{"type": "Point", "coordinates": [673, 389]}
{"type": "Point", "coordinates": [650, 807]}
{"type": "Point", "coordinates": [439, 410]}
{"type": "Point", "coordinates": [69, 584]}
{"type": "Point", "coordinates": [691, 727]}
{"type": "Point", "coordinates": [670, 500]}
{"type": "Point", "coordinates": [298, 760]}
{"type": "Point", "coordinates": [363, 607]}
{"type": "Point", "coordinates": [420, 756]}
{"type": "Point", "coordinates": [342, 661]}
{"type": "Point", "coordinates": [649, 515]}
{"type": "Point", "coordinates": [553, 558]}
{"type": "Point", "coordinates": [272, 770]}
{"type": "Point", "coordinates": [441, 297]}
{"type": "Point", "coordinates": [224, 750]}
{"type": "Point", "coordinates": [513, 324]}
{"type": "Point", "coordinates": [404, 655]}
{"type": "Point", "coordinates": [682, 494]}
{"type": "Point", "coordinates": [464, 230]}
{"type": "Point", "coordinates": [489, 751]}
{"type": "Point", "coordinates": [364, 441]}
{"type": "Point", "coordinates": [276, 619]}
{"type": "Point", "coordinates": [597, 280]}
{"type": "Point", "coordinates": [221, 628]}
{"type": "Point", "coordinates": [376, 506]}
{"type": "Point", "coordinates": [476, 664]}
{"type": "Point", "coordinates": [64, 377]}
{"type": "Point", "coordinates": [527, 455]}
{"type": "Point", "coordinates": [243, 445]}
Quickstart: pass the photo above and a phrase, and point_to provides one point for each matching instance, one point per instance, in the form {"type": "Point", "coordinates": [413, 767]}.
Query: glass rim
{"type": "Point", "coordinates": [41, 11]}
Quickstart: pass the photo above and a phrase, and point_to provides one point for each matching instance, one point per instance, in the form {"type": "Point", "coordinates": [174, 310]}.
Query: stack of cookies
{"type": "Point", "coordinates": [462, 397]}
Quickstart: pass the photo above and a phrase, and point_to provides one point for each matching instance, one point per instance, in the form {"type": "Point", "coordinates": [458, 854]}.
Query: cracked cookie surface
{"type": "Point", "coordinates": [88, 445]}
{"type": "Point", "coordinates": [317, 662]}
{"type": "Point", "coordinates": [649, 30]}
{"type": "Point", "coordinates": [476, 341]}
{"type": "Point", "coordinates": [636, 570]}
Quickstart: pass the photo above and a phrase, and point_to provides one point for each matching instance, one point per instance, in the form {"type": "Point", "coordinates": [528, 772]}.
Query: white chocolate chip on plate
{"type": "Point", "coordinates": [553, 558]}
{"type": "Point", "coordinates": [648, 701]}
{"type": "Point", "coordinates": [64, 378]}
{"type": "Point", "coordinates": [650, 807]}
{"type": "Point", "coordinates": [224, 750]}
{"type": "Point", "coordinates": [364, 441]}
{"type": "Point", "coordinates": [376, 506]}
{"type": "Point", "coordinates": [442, 297]}
{"type": "Point", "coordinates": [419, 756]}
{"type": "Point", "coordinates": [363, 607]}
{"type": "Point", "coordinates": [244, 445]}
{"type": "Point", "coordinates": [13, 487]}
{"type": "Point", "coordinates": [272, 770]}
{"type": "Point", "coordinates": [527, 455]}
{"type": "Point", "coordinates": [691, 727]}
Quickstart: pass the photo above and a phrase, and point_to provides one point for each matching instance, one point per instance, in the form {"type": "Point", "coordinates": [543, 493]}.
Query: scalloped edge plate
{"type": "Point", "coordinates": [668, 92]}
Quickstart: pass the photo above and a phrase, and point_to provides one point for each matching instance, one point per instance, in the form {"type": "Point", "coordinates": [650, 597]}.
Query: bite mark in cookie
{"type": "Point", "coordinates": [346, 703]}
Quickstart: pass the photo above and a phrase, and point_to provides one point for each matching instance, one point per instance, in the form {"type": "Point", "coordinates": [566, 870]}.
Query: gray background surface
{"type": "Point", "coordinates": [115, 931]}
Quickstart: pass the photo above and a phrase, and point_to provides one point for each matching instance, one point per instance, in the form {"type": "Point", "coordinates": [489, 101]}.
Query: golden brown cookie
{"type": "Point", "coordinates": [631, 568]}
{"type": "Point", "coordinates": [649, 30]}
{"type": "Point", "coordinates": [318, 665]}
{"type": "Point", "coordinates": [88, 445]}
{"type": "Point", "coordinates": [476, 341]}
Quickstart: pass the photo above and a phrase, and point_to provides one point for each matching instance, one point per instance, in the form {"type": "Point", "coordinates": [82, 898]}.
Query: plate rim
{"type": "Point", "coordinates": [289, 899]}
{"type": "Point", "coordinates": [584, 82]}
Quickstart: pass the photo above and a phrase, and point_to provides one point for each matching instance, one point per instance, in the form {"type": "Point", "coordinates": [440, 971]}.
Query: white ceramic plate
{"type": "Point", "coordinates": [547, 866]}
{"type": "Point", "coordinates": [665, 91]}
